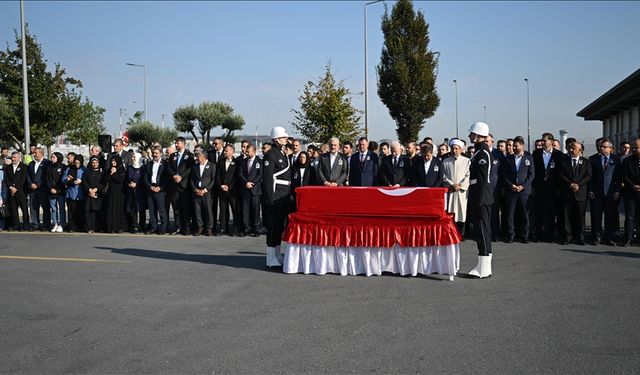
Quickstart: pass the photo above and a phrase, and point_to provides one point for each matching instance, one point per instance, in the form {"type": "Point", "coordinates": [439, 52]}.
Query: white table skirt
{"type": "Point", "coordinates": [308, 259]}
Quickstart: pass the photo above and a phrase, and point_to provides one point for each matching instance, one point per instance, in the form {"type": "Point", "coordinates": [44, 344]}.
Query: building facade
{"type": "Point", "coordinates": [618, 109]}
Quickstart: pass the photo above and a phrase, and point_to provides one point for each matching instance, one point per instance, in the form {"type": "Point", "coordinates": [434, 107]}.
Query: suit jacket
{"type": "Point", "coordinates": [599, 176]}
{"type": "Point", "coordinates": [213, 156]}
{"type": "Point", "coordinates": [480, 190]}
{"type": "Point", "coordinates": [391, 175]}
{"type": "Point", "coordinates": [433, 178]}
{"type": "Point", "coordinates": [183, 169]}
{"type": "Point", "coordinates": [37, 177]}
{"type": "Point", "coordinates": [227, 176]}
{"type": "Point", "coordinates": [206, 180]}
{"type": "Point", "coordinates": [251, 175]}
{"type": "Point", "coordinates": [162, 179]}
{"type": "Point", "coordinates": [630, 176]}
{"type": "Point", "coordinates": [547, 180]}
{"type": "Point", "coordinates": [337, 174]}
{"type": "Point", "coordinates": [522, 177]}
{"type": "Point", "coordinates": [580, 175]}
{"type": "Point", "coordinates": [18, 179]}
{"type": "Point", "coordinates": [496, 176]}
{"type": "Point", "coordinates": [365, 173]}
{"type": "Point", "coordinates": [126, 158]}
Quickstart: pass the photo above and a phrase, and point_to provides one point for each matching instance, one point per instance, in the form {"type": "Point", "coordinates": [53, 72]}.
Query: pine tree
{"type": "Point", "coordinates": [407, 70]}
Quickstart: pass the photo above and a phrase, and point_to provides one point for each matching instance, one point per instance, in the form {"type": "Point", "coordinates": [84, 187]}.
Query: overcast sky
{"type": "Point", "coordinates": [257, 56]}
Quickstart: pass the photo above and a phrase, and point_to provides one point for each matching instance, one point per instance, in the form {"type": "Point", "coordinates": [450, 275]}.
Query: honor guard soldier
{"type": "Point", "coordinates": [481, 197]}
{"type": "Point", "coordinates": [276, 181]}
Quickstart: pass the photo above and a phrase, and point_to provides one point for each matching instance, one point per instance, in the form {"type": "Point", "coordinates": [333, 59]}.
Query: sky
{"type": "Point", "coordinates": [258, 55]}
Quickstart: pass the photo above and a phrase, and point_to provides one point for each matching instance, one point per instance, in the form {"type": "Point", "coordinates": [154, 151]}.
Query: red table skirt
{"type": "Point", "coordinates": [318, 230]}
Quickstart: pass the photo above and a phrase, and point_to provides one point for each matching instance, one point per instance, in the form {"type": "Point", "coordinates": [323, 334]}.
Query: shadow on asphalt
{"type": "Point", "coordinates": [251, 262]}
{"type": "Point", "coordinates": [623, 254]}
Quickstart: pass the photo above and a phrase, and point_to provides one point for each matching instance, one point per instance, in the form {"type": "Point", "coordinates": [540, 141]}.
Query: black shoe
{"type": "Point", "coordinates": [176, 232]}
{"type": "Point", "coordinates": [220, 233]}
{"type": "Point", "coordinates": [595, 241]}
{"type": "Point", "coordinates": [580, 242]}
{"type": "Point", "coordinates": [524, 240]}
{"type": "Point", "coordinates": [148, 232]}
{"type": "Point", "coordinates": [625, 244]}
{"type": "Point", "coordinates": [508, 240]}
{"type": "Point", "coordinates": [609, 243]}
{"type": "Point", "coordinates": [254, 234]}
{"type": "Point", "coordinates": [209, 232]}
{"type": "Point", "coordinates": [198, 232]}
{"type": "Point", "coordinates": [240, 234]}
{"type": "Point", "coordinates": [160, 233]}
{"type": "Point", "coordinates": [563, 242]}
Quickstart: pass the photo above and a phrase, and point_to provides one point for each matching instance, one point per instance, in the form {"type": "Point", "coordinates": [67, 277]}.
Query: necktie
{"type": "Point", "coordinates": [395, 162]}
{"type": "Point", "coordinates": [249, 164]}
{"type": "Point", "coordinates": [606, 163]}
{"type": "Point", "coordinates": [179, 159]}
{"type": "Point", "coordinates": [362, 158]}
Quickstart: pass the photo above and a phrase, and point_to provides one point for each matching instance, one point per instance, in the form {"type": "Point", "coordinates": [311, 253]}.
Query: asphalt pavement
{"type": "Point", "coordinates": [116, 304]}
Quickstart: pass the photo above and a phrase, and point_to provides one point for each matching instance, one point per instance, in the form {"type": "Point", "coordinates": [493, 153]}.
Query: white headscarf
{"type": "Point", "coordinates": [137, 163]}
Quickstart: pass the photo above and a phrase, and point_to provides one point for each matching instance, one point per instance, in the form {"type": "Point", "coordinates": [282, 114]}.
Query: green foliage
{"type": "Point", "coordinates": [326, 111]}
{"type": "Point", "coordinates": [206, 116]}
{"type": "Point", "coordinates": [144, 133]}
{"type": "Point", "coordinates": [89, 126]}
{"type": "Point", "coordinates": [55, 105]}
{"type": "Point", "coordinates": [407, 71]}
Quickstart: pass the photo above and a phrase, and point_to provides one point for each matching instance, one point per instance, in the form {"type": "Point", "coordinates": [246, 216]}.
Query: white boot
{"type": "Point", "coordinates": [483, 268]}
{"type": "Point", "coordinates": [489, 272]}
{"type": "Point", "coordinates": [272, 259]}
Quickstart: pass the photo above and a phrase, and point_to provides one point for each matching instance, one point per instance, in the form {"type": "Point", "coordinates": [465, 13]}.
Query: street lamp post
{"type": "Point", "coordinates": [526, 80]}
{"type": "Point", "coordinates": [485, 114]}
{"type": "Point", "coordinates": [25, 88]}
{"type": "Point", "coordinates": [145, 87]}
{"type": "Point", "coordinates": [164, 114]}
{"type": "Point", "coordinates": [366, 97]}
{"type": "Point", "coordinates": [455, 82]}
{"type": "Point", "coordinates": [122, 111]}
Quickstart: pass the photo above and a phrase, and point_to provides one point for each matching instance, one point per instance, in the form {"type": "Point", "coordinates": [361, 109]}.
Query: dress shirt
{"type": "Point", "coordinates": [518, 161]}
{"type": "Point", "coordinates": [202, 167]}
{"type": "Point", "coordinates": [250, 163]}
{"type": "Point", "coordinates": [15, 166]}
{"type": "Point", "coordinates": [332, 158]}
{"type": "Point", "coordinates": [36, 166]}
{"type": "Point", "coordinates": [546, 156]}
{"type": "Point", "coordinates": [154, 171]}
{"type": "Point", "coordinates": [227, 162]}
{"type": "Point", "coordinates": [427, 165]}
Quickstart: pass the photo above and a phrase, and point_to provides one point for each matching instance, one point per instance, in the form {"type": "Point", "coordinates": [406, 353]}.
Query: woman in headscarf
{"type": "Point", "coordinates": [94, 185]}
{"type": "Point", "coordinates": [56, 187]}
{"type": "Point", "coordinates": [302, 176]}
{"type": "Point", "coordinates": [136, 199]}
{"type": "Point", "coordinates": [115, 177]}
{"type": "Point", "coordinates": [74, 193]}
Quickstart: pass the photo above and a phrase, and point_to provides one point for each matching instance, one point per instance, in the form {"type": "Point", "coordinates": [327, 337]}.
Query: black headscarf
{"type": "Point", "coordinates": [119, 166]}
{"type": "Point", "coordinates": [299, 163]}
{"type": "Point", "coordinates": [59, 158]}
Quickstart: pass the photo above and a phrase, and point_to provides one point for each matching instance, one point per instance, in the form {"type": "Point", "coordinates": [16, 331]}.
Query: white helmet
{"type": "Point", "coordinates": [278, 132]}
{"type": "Point", "coordinates": [479, 128]}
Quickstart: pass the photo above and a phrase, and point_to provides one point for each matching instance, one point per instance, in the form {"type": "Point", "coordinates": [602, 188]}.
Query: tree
{"type": "Point", "coordinates": [326, 111]}
{"type": "Point", "coordinates": [55, 105]}
{"type": "Point", "coordinates": [206, 116]}
{"type": "Point", "coordinates": [407, 71]}
{"type": "Point", "coordinates": [145, 133]}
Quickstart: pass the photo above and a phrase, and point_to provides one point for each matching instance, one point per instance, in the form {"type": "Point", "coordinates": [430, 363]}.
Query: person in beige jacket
{"type": "Point", "coordinates": [456, 178]}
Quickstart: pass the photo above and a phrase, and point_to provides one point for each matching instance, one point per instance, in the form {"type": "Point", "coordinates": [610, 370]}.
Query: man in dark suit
{"type": "Point", "coordinates": [215, 154]}
{"type": "Point", "coordinates": [363, 169]}
{"type": "Point", "coordinates": [38, 193]}
{"type": "Point", "coordinates": [118, 149]}
{"type": "Point", "coordinates": [575, 174]}
{"type": "Point", "coordinates": [604, 194]}
{"type": "Point", "coordinates": [499, 209]}
{"type": "Point", "coordinates": [394, 169]}
{"type": "Point", "coordinates": [332, 168]}
{"type": "Point", "coordinates": [518, 174]}
{"type": "Point", "coordinates": [179, 169]}
{"type": "Point", "coordinates": [546, 184]}
{"type": "Point", "coordinates": [203, 177]}
{"type": "Point", "coordinates": [631, 192]}
{"type": "Point", "coordinates": [226, 179]}
{"type": "Point", "coordinates": [250, 178]}
{"type": "Point", "coordinates": [157, 182]}
{"type": "Point", "coordinates": [15, 180]}
{"type": "Point", "coordinates": [427, 171]}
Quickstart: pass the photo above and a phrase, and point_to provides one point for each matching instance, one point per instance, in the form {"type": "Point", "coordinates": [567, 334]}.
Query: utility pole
{"type": "Point", "coordinates": [25, 85]}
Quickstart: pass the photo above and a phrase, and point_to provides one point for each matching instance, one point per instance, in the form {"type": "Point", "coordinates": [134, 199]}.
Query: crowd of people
{"type": "Point", "coordinates": [537, 196]}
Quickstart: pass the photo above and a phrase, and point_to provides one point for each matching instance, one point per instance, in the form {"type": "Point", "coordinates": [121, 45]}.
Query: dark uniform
{"type": "Point", "coordinates": [481, 197]}
{"type": "Point", "coordinates": [276, 181]}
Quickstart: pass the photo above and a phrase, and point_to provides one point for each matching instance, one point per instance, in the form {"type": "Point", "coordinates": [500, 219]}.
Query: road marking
{"type": "Point", "coordinates": [89, 260]}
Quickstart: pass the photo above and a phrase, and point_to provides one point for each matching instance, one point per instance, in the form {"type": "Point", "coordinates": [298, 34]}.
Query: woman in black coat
{"type": "Point", "coordinates": [115, 177]}
{"type": "Point", "coordinates": [94, 184]}
{"type": "Point", "coordinates": [303, 175]}
{"type": "Point", "coordinates": [56, 187]}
